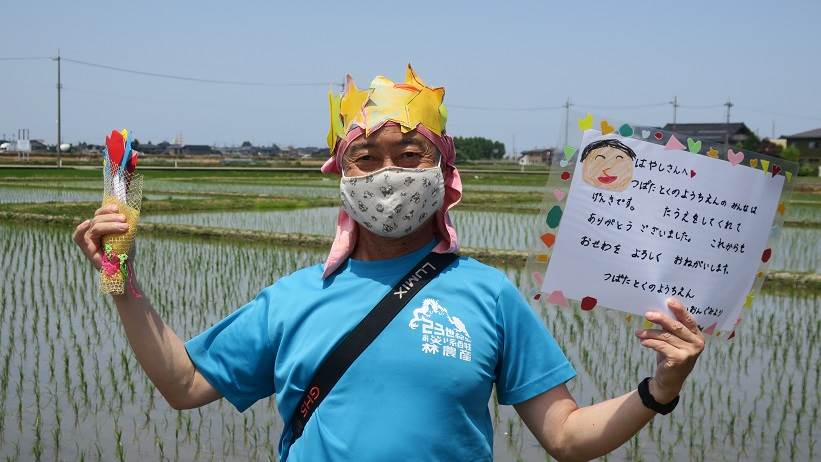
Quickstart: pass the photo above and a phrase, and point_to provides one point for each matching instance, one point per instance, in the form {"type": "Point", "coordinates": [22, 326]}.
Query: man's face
{"type": "Point", "coordinates": [608, 168]}
{"type": "Point", "coordinates": [389, 147]}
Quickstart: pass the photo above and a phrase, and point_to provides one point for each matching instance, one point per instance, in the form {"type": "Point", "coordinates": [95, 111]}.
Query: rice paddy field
{"type": "Point", "coordinates": [71, 389]}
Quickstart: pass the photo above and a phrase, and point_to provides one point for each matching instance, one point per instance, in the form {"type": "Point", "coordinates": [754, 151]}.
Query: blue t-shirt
{"type": "Point", "coordinates": [420, 391]}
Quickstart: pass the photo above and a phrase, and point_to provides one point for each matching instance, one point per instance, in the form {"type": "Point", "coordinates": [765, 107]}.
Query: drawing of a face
{"type": "Point", "coordinates": [608, 164]}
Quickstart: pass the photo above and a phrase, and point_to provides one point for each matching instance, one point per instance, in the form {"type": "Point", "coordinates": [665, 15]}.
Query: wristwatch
{"type": "Point", "coordinates": [651, 403]}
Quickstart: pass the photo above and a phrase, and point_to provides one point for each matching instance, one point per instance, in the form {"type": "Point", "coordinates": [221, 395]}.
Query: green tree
{"type": "Point", "coordinates": [477, 147]}
{"type": "Point", "coordinates": [751, 143]}
{"type": "Point", "coordinates": [791, 153]}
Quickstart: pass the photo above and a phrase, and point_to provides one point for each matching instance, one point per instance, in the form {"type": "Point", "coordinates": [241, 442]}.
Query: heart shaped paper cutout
{"type": "Point", "coordinates": [606, 128]}
{"type": "Point", "coordinates": [765, 164]}
{"type": "Point", "coordinates": [693, 145]}
{"type": "Point", "coordinates": [537, 278]}
{"type": "Point", "coordinates": [588, 303]}
{"type": "Point", "coordinates": [712, 152]}
{"type": "Point", "coordinates": [645, 134]}
{"type": "Point", "coordinates": [563, 163]}
{"type": "Point", "coordinates": [568, 152]}
{"type": "Point", "coordinates": [116, 148]}
{"type": "Point", "coordinates": [558, 194]}
{"type": "Point", "coordinates": [734, 158]}
{"type": "Point", "coordinates": [626, 130]}
{"type": "Point", "coordinates": [548, 238]}
{"type": "Point", "coordinates": [586, 123]}
{"type": "Point", "coordinates": [788, 175]}
{"type": "Point", "coordinates": [658, 135]}
{"type": "Point", "coordinates": [557, 298]}
{"type": "Point", "coordinates": [565, 176]}
{"type": "Point", "coordinates": [753, 163]}
{"type": "Point", "coordinates": [776, 169]}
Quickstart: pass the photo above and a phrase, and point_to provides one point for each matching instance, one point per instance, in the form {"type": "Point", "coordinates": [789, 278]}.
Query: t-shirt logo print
{"type": "Point", "coordinates": [442, 334]}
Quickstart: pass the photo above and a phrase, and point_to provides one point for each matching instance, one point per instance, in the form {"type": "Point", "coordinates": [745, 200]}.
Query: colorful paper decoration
{"type": "Point", "coordinates": [409, 104]}
{"type": "Point", "coordinates": [693, 145]}
{"type": "Point", "coordinates": [122, 187]}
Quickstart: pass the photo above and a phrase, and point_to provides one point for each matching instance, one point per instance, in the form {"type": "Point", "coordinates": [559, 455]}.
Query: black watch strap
{"type": "Point", "coordinates": [651, 403]}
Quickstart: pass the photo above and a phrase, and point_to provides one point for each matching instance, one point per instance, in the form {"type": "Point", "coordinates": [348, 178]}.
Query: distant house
{"type": "Point", "coordinates": [809, 143]}
{"type": "Point", "coordinates": [536, 156]}
{"type": "Point", "coordinates": [189, 150]}
{"type": "Point", "coordinates": [38, 146]}
{"type": "Point", "coordinates": [150, 148]}
{"type": "Point", "coordinates": [732, 133]}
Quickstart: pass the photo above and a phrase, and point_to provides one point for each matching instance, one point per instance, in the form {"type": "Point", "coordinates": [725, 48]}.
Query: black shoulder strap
{"type": "Point", "coordinates": [338, 361]}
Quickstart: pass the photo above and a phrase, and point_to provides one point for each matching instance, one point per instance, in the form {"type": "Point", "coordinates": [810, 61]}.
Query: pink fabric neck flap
{"type": "Point", "coordinates": [347, 230]}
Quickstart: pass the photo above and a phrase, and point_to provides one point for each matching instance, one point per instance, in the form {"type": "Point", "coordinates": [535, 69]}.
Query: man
{"type": "Point", "coordinates": [420, 390]}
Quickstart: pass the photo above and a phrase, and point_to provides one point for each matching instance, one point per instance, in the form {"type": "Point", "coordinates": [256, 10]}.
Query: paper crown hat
{"type": "Point", "coordinates": [408, 104]}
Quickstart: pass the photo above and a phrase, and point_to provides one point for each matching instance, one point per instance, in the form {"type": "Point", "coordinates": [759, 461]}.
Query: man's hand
{"type": "Point", "coordinates": [678, 344]}
{"type": "Point", "coordinates": [89, 234]}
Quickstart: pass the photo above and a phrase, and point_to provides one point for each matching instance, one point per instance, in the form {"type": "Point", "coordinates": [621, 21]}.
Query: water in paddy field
{"type": "Point", "coordinates": [16, 195]}
{"type": "Point", "coordinates": [798, 249]}
{"type": "Point", "coordinates": [70, 387]}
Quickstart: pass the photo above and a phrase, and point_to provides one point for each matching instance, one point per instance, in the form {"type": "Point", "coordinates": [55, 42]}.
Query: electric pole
{"type": "Point", "coordinates": [729, 104]}
{"type": "Point", "coordinates": [567, 105]}
{"type": "Point", "coordinates": [675, 107]}
{"type": "Point", "coordinates": [59, 114]}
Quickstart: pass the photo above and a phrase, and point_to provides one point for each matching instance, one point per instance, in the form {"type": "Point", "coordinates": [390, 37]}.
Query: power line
{"type": "Point", "coordinates": [503, 108]}
{"type": "Point", "coordinates": [700, 106]}
{"type": "Point", "coordinates": [778, 114]}
{"type": "Point", "coordinates": [197, 79]}
{"type": "Point", "coordinates": [632, 106]}
{"type": "Point", "coordinates": [26, 58]}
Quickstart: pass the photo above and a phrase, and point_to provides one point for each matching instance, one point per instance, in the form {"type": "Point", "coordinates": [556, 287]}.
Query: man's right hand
{"type": "Point", "coordinates": [89, 234]}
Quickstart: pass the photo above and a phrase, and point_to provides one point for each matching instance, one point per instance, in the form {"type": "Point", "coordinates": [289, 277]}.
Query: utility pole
{"type": "Point", "coordinates": [567, 105]}
{"type": "Point", "coordinates": [59, 114]}
{"type": "Point", "coordinates": [729, 104]}
{"type": "Point", "coordinates": [675, 107]}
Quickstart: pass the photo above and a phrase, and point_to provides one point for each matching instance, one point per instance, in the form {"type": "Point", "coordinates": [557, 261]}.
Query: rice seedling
{"type": "Point", "coordinates": [754, 396]}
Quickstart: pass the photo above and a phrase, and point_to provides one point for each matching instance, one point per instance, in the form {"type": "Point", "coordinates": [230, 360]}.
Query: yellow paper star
{"type": "Point", "coordinates": [387, 101]}
{"type": "Point", "coordinates": [421, 107]}
{"type": "Point", "coordinates": [335, 129]}
{"type": "Point", "coordinates": [351, 105]}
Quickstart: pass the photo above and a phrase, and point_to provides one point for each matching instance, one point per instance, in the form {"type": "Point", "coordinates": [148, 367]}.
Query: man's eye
{"type": "Point", "coordinates": [599, 155]}
{"type": "Point", "coordinates": [364, 158]}
{"type": "Point", "coordinates": [410, 154]}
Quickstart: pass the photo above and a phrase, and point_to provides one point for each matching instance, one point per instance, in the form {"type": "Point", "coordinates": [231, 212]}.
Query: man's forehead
{"type": "Point", "coordinates": [390, 137]}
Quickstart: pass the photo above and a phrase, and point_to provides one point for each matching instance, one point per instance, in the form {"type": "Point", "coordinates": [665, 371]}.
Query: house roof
{"type": "Point", "coordinates": [715, 132]}
{"type": "Point", "coordinates": [808, 134]}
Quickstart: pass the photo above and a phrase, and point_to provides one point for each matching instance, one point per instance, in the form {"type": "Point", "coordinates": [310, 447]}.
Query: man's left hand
{"type": "Point", "coordinates": [678, 344]}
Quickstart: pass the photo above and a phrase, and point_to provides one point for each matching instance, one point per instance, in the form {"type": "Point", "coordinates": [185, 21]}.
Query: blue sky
{"type": "Point", "coordinates": [608, 57]}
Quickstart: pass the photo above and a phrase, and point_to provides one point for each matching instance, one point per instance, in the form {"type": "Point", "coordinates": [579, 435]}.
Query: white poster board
{"type": "Point", "coordinates": [632, 220]}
